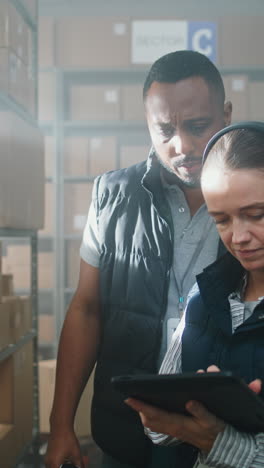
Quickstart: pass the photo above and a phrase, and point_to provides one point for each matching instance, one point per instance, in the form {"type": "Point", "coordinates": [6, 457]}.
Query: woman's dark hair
{"type": "Point", "coordinates": [239, 146]}
{"type": "Point", "coordinates": [183, 64]}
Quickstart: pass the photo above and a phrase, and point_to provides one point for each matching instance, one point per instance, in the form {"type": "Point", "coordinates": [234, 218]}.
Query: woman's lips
{"type": "Point", "coordinates": [246, 253]}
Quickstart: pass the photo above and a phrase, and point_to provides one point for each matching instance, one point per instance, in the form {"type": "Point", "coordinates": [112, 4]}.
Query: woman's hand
{"type": "Point", "coordinates": [199, 429]}
{"type": "Point", "coordinates": [255, 385]}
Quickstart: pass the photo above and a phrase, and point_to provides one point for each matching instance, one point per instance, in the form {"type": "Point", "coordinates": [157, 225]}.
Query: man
{"type": "Point", "coordinates": [148, 235]}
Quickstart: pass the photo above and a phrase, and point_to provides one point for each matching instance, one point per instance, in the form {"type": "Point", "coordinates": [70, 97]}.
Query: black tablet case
{"type": "Point", "coordinates": [224, 394]}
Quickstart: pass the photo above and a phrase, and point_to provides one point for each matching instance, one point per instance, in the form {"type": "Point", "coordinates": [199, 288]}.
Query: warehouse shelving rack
{"type": "Point", "coordinates": [30, 236]}
{"type": "Point", "coordinates": [62, 127]}
{"type": "Point", "coordinates": [32, 335]}
{"type": "Point", "coordinates": [130, 132]}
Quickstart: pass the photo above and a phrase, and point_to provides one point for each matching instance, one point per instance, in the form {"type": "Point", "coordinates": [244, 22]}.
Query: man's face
{"type": "Point", "coordinates": [181, 118]}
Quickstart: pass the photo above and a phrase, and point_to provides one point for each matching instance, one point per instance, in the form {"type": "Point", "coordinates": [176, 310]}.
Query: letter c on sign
{"type": "Point", "coordinates": [196, 41]}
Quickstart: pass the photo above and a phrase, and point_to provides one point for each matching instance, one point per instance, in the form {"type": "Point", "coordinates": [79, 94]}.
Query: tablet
{"type": "Point", "coordinates": [224, 394]}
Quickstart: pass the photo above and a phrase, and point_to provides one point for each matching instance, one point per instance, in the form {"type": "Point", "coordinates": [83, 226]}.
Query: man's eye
{"type": "Point", "coordinates": [167, 132]}
{"type": "Point", "coordinates": [198, 129]}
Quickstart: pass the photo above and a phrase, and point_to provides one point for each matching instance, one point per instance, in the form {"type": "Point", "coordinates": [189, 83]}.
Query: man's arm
{"type": "Point", "coordinates": [76, 358]}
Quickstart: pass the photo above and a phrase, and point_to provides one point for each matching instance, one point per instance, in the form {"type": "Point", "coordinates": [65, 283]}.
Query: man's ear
{"type": "Point", "coordinates": [228, 112]}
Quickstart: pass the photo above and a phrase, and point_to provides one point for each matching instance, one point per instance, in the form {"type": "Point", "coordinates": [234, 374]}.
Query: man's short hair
{"type": "Point", "coordinates": [183, 64]}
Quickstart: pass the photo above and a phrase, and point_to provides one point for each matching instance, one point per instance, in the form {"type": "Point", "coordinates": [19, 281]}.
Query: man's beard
{"type": "Point", "coordinates": [188, 182]}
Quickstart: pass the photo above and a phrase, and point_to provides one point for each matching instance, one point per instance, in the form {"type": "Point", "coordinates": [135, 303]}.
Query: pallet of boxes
{"type": "Point", "coordinates": [16, 372]}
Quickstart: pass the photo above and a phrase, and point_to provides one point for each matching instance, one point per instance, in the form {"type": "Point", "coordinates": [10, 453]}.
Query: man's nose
{"type": "Point", "coordinates": [183, 144]}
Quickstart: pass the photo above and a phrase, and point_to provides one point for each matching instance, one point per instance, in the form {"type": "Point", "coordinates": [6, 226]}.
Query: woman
{"type": "Point", "coordinates": [223, 324]}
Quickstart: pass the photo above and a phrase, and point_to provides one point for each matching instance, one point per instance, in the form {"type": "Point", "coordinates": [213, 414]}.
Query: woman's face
{"type": "Point", "coordinates": [235, 200]}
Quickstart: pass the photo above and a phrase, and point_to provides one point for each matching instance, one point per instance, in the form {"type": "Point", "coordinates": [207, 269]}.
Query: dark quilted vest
{"type": "Point", "coordinates": [136, 237]}
{"type": "Point", "coordinates": [207, 337]}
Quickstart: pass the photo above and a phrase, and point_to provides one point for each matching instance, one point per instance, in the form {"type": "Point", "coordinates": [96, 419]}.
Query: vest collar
{"type": "Point", "coordinates": [216, 283]}
{"type": "Point", "coordinates": [151, 181]}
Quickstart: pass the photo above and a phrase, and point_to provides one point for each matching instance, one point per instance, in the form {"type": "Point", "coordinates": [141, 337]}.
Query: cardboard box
{"type": "Point", "coordinates": [88, 102]}
{"type": "Point", "coordinates": [93, 42]}
{"type": "Point", "coordinates": [23, 395]}
{"type": "Point", "coordinates": [15, 80]}
{"type": "Point", "coordinates": [132, 107]}
{"type": "Point", "coordinates": [46, 96]}
{"type": "Point", "coordinates": [237, 91]}
{"type": "Point", "coordinates": [46, 42]}
{"type": "Point", "coordinates": [26, 305]}
{"type": "Point", "coordinates": [7, 391]}
{"type": "Point", "coordinates": [133, 154]}
{"type": "Point", "coordinates": [49, 211]}
{"type": "Point", "coordinates": [14, 312]}
{"type": "Point", "coordinates": [18, 254]}
{"type": "Point", "coordinates": [16, 410]}
{"type": "Point", "coordinates": [21, 276]}
{"type": "Point", "coordinates": [7, 444]}
{"type": "Point", "coordinates": [73, 263]}
{"type": "Point", "coordinates": [45, 270]}
{"type": "Point", "coordinates": [102, 155]}
{"type": "Point", "coordinates": [77, 201]}
{"type": "Point", "coordinates": [46, 329]}
{"type": "Point", "coordinates": [1, 275]}
{"type": "Point", "coordinates": [256, 100]}
{"type": "Point", "coordinates": [14, 31]}
{"type": "Point", "coordinates": [241, 41]}
{"type": "Point", "coordinates": [21, 174]}
{"type": "Point", "coordinates": [19, 311]}
{"type": "Point", "coordinates": [47, 371]}
{"type": "Point", "coordinates": [50, 155]}
{"type": "Point", "coordinates": [6, 336]}
{"type": "Point", "coordinates": [17, 263]}
{"type": "Point", "coordinates": [89, 156]}
{"type": "Point", "coordinates": [76, 156]}
{"type": "Point", "coordinates": [7, 285]}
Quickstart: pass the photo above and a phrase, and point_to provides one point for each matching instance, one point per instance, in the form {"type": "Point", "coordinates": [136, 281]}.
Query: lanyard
{"type": "Point", "coordinates": [180, 281]}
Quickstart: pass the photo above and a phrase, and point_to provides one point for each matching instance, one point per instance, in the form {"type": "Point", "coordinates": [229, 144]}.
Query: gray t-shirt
{"type": "Point", "coordinates": [195, 246]}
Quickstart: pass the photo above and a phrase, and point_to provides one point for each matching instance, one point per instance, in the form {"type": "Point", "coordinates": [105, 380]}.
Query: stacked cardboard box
{"type": "Point", "coordinates": [16, 373]}
{"type": "Point", "coordinates": [17, 78]}
{"type": "Point", "coordinates": [15, 313]}
{"type": "Point", "coordinates": [46, 97]}
{"type": "Point", "coordinates": [17, 263]}
{"type": "Point", "coordinates": [89, 156]}
{"type": "Point", "coordinates": [93, 42]}
{"type": "Point", "coordinates": [21, 173]}
{"type": "Point", "coordinates": [46, 329]}
{"type": "Point", "coordinates": [16, 410]}
{"type": "Point", "coordinates": [77, 201]}
{"type": "Point", "coordinates": [47, 372]}
{"type": "Point", "coordinates": [73, 263]}
{"type": "Point", "coordinates": [49, 211]}
{"type": "Point", "coordinates": [237, 91]}
{"type": "Point", "coordinates": [133, 154]}
{"type": "Point", "coordinates": [256, 100]}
